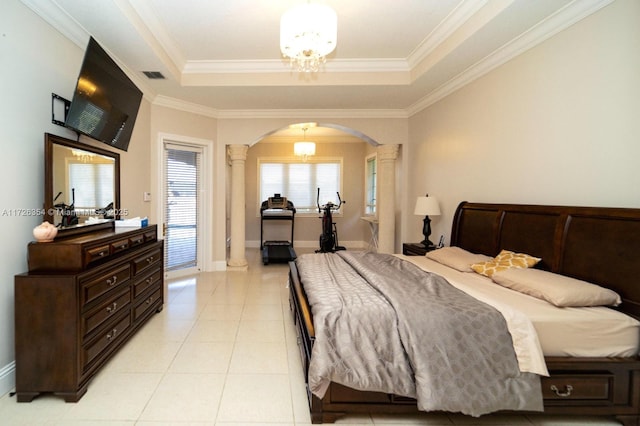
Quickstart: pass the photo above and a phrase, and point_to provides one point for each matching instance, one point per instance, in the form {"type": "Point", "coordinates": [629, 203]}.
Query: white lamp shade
{"type": "Point", "coordinates": [304, 149]}
{"type": "Point", "coordinates": [427, 206]}
{"type": "Point", "coordinates": [308, 28]}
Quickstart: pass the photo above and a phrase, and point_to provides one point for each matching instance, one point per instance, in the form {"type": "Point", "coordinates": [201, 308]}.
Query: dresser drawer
{"type": "Point", "coordinates": [149, 303]}
{"type": "Point", "coordinates": [136, 240]}
{"type": "Point", "coordinates": [105, 340]}
{"type": "Point", "coordinates": [143, 284]}
{"type": "Point", "coordinates": [95, 286]}
{"type": "Point", "coordinates": [93, 254]}
{"type": "Point", "coordinates": [577, 387]}
{"type": "Point", "coordinates": [147, 260]}
{"type": "Point", "coordinates": [150, 235]}
{"type": "Point", "coordinates": [108, 309]}
{"type": "Point", "coordinates": [119, 246]}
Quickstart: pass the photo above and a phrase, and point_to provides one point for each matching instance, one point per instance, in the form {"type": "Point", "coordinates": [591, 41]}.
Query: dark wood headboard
{"type": "Point", "coordinates": [596, 244]}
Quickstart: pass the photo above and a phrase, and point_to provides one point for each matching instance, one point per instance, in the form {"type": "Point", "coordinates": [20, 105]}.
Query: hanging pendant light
{"type": "Point", "coordinates": [308, 33]}
{"type": "Point", "coordinates": [304, 148]}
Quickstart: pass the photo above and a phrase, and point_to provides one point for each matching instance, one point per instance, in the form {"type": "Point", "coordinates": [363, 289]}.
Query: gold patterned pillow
{"type": "Point", "coordinates": [505, 260]}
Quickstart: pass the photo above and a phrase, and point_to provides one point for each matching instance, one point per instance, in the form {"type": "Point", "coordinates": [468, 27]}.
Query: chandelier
{"type": "Point", "coordinates": [307, 34]}
{"type": "Point", "coordinates": [304, 148]}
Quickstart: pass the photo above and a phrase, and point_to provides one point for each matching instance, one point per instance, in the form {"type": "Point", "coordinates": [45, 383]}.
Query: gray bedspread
{"type": "Point", "coordinates": [383, 324]}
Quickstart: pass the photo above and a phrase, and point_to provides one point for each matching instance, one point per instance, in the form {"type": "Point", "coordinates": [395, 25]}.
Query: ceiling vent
{"type": "Point", "coordinates": [153, 75]}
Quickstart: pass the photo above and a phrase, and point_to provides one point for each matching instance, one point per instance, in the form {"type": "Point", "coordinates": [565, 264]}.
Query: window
{"type": "Point", "coordinates": [371, 182]}
{"type": "Point", "coordinates": [299, 182]}
{"type": "Point", "coordinates": [91, 184]}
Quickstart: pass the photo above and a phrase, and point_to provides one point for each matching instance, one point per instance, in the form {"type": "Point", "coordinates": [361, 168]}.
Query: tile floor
{"type": "Point", "coordinates": [222, 352]}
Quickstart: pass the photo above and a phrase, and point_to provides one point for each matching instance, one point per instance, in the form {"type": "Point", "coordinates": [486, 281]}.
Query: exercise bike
{"type": "Point", "coordinates": [329, 237]}
{"type": "Point", "coordinates": [67, 211]}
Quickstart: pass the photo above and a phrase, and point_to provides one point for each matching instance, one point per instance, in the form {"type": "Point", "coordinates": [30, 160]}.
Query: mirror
{"type": "Point", "coordinates": [81, 183]}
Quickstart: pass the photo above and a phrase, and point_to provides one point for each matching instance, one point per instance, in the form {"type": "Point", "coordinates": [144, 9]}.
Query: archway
{"type": "Point", "coordinates": [321, 129]}
{"type": "Point", "coordinates": [327, 133]}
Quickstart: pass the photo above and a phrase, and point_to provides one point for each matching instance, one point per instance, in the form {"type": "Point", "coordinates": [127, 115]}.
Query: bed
{"type": "Point", "coordinates": [597, 245]}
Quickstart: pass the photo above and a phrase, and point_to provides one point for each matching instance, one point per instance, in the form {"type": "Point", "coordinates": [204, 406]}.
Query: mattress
{"type": "Point", "coordinates": [575, 332]}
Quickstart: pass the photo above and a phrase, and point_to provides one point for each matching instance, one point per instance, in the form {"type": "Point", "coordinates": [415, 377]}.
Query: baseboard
{"type": "Point", "coordinates": [314, 244]}
{"type": "Point", "coordinates": [220, 265]}
{"type": "Point", "coordinates": [7, 378]}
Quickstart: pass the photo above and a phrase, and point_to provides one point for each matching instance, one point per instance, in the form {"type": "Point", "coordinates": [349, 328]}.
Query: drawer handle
{"type": "Point", "coordinates": [122, 246]}
{"type": "Point", "coordinates": [112, 335]}
{"type": "Point", "coordinates": [150, 300]}
{"type": "Point", "coordinates": [149, 259]}
{"type": "Point", "coordinates": [111, 309]}
{"type": "Point", "coordinates": [102, 253]}
{"type": "Point", "coordinates": [112, 281]}
{"type": "Point", "coordinates": [149, 280]}
{"type": "Point", "coordinates": [564, 394]}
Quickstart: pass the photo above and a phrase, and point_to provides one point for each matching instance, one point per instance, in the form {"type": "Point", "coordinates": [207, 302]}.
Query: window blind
{"type": "Point", "coordinates": [182, 195]}
{"type": "Point", "coordinates": [299, 182]}
{"type": "Point", "coordinates": [91, 184]}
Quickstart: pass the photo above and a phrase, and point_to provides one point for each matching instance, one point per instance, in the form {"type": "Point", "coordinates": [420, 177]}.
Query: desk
{"type": "Point", "coordinates": [373, 227]}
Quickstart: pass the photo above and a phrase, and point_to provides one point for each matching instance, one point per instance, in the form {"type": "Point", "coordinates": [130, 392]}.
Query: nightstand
{"type": "Point", "coordinates": [415, 249]}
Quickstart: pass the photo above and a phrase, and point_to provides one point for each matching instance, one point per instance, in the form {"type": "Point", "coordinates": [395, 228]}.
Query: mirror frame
{"type": "Point", "coordinates": [51, 140]}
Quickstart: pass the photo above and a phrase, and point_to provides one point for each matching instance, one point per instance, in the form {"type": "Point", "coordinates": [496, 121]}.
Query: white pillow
{"type": "Point", "coordinates": [556, 289]}
{"type": "Point", "coordinates": [456, 258]}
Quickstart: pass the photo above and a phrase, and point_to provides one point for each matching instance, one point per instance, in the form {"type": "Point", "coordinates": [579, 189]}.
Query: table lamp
{"type": "Point", "coordinates": [427, 206]}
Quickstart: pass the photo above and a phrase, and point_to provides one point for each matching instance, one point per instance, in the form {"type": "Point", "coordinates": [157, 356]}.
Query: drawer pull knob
{"type": "Point", "coordinates": [150, 300]}
{"type": "Point", "coordinates": [149, 280]}
{"type": "Point", "coordinates": [149, 259]}
{"type": "Point", "coordinates": [112, 334]}
{"type": "Point", "coordinates": [102, 253]}
{"type": "Point", "coordinates": [111, 309]}
{"type": "Point", "coordinates": [566, 393]}
{"type": "Point", "coordinates": [112, 281]}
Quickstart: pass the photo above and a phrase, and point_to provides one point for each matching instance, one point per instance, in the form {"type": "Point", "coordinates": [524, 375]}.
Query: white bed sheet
{"type": "Point", "coordinates": [576, 332]}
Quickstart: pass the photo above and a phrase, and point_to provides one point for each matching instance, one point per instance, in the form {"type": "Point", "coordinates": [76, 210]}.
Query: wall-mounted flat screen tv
{"type": "Point", "coordinates": [105, 103]}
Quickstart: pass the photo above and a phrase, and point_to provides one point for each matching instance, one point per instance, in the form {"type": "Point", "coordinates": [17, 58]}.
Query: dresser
{"type": "Point", "coordinates": [83, 298]}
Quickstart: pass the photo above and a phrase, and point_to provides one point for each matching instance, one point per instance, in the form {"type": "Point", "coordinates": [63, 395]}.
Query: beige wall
{"type": "Point", "coordinates": [556, 125]}
{"type": "Point", "coordinates": [31, 70]}
{"type": "Point", "coordinates": [179, 126]}
{"type": "Point", "coordinates": [351, 230]}
{"type": "Point", "coordinates": [135, 167]}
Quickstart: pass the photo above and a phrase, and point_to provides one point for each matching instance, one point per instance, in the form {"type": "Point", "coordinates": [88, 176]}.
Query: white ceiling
{"type": "Point", "coordinates": [393, 57]}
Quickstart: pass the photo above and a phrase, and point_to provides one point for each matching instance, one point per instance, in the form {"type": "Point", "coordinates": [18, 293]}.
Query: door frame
{"type": "Point", "coordinates": [205, 234]}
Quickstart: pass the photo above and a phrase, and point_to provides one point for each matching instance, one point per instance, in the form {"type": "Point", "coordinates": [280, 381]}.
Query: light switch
{"type": "Point", "coordinates": [146, 196]}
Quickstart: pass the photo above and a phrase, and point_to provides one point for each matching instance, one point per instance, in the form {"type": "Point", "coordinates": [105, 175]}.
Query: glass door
{"type": "Point", "coordinates": [182, 205]}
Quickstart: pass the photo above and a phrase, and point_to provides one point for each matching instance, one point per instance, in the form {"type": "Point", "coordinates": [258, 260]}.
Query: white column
{"type": "Point", "coordinates": [237, 260]}
{"type": "Point", "coordinates": [387, 155]}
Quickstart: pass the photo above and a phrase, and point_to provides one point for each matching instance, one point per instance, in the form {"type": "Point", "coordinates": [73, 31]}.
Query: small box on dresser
{"type": "Point", "coordinates": [83, 297]}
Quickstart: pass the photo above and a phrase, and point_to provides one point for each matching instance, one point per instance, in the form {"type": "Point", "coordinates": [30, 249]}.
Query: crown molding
{"type": "Point", "coordinates": [316, 113]}
{"type": "Point", "coordinates": [151, 30]}
{"type": "Point", "coordinates": [465, 10]}
{"type": "Point", "coordinates": [59, 20]}
{"type": "Point", "coordinates": [397, 70]}
{"type": "Point", "coordinates": [561, 20]}
{"type": "Point", "coordinates": [180, 105]}
{"type": "Point", "coordinates": [282, 66]}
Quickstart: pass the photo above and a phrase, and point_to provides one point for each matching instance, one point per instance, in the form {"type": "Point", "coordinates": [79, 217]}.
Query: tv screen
{"type": "Point", "coordinates": [105, 103]}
